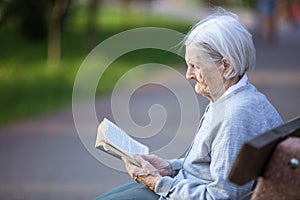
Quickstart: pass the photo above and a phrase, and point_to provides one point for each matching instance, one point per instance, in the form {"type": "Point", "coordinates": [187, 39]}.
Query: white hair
{"type": "Point", "coordinates": [222, 35]}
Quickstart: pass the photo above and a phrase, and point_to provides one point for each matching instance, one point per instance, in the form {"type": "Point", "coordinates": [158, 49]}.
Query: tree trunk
{"type": "Point", "coordinates": [54, 31]}
{"type": "Point", "coordinates": [91, 33]}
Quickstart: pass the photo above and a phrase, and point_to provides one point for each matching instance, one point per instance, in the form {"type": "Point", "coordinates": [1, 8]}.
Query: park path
{"type": "Point", "coordinates": [43, 157]}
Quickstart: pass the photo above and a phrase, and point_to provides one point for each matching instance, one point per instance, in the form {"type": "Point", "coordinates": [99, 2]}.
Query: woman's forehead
{"type": "Point", "coordinates": [194, 53]}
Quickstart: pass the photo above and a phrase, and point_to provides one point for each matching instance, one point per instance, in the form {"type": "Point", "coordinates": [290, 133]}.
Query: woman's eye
{"type": "Point", "coordinates": [197, 67]}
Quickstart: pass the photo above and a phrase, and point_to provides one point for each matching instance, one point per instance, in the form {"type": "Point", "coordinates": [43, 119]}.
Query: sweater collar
{"type": "Point", "coordinates": [242, 82]}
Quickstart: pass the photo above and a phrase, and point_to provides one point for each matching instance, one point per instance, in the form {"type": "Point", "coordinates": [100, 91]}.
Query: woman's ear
{"type": "Point", "coordinates": [226, 68]}
{"type": "Point", "coordinates": [225, 64]}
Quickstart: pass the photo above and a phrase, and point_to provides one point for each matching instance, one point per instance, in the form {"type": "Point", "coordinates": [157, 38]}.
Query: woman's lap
{"type": "Point", "coordinates": [130, 191]}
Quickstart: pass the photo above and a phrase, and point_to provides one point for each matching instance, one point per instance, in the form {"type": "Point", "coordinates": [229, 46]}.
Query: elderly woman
{"type": "Point", "coordinates": [219, 51]}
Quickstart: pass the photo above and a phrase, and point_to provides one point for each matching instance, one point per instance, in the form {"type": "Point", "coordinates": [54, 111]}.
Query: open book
{"type": "Point", "coordinates": [113, 140]}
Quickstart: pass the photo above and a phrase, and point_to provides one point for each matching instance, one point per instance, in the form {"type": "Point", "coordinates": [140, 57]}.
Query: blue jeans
{"type": "Point", "coordinates": [130, 191]}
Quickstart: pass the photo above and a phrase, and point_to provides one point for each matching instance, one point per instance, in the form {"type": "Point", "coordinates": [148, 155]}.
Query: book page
{"type": "Point", "coordinates": [120, 140]}
{"type": "Point", "coordinates": [118, 154]}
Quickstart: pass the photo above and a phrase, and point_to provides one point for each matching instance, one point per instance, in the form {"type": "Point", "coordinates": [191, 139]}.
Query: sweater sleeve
{"type": "Point", "coordinates": [176, 165]}
{"type": "Point", "coordinates": [224, 150]}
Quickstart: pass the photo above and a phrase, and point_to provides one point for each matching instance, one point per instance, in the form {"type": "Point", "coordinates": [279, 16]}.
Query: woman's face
{"type": "Point", "coordinates": [207, 75]}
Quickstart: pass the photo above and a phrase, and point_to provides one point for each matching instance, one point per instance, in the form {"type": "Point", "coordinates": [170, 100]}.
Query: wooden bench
{"type": "Point", "coordinates": [272, 158]}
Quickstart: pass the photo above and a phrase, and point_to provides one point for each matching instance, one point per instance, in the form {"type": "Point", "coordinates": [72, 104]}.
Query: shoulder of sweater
{"type": "Point", "coordinates": [241, 96]}
{"type": "Point", "coordinates": [243, 102]}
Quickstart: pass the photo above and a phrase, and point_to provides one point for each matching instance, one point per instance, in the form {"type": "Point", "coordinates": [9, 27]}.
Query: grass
{"type": "Point", "coordinates": [29, 87]}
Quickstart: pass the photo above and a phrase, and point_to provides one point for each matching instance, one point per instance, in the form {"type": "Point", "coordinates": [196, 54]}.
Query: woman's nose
{"type": "Point", "coordinates": [189, 73]}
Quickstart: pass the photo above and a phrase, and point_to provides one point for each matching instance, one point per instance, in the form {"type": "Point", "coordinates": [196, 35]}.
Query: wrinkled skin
{"type": "Point", "coordinates": [151, 170]}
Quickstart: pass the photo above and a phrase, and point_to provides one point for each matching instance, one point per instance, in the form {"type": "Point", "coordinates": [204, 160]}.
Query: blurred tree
{"type": "Point", "coordinates": [38, 19]}
{"type": "Point", "coordinates": [91, 30]}
{"type": "Point", "coordinates": [56, 19]}
{"type": "Point", "coordinates": [31, 15]}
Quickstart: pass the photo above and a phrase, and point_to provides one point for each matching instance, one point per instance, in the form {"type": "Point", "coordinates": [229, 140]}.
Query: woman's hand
{"type": "Point", "coordinates": [162, 166]}
{"type": "Point", "coordinates": [151, 169]}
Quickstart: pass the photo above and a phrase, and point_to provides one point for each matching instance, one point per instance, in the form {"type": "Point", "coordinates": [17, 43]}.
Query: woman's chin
{"type": "Point", "coordinates": [199, 89]}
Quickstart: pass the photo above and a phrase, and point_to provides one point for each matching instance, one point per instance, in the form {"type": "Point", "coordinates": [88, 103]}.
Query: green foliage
{"type": "Point", "coordinates": [30, 15]}
{"type": "Point", "coordinates": [29, 87]}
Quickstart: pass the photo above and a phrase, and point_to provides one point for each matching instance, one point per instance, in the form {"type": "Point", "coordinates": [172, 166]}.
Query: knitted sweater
{"type": "Point", "coordinates": [229, 122]}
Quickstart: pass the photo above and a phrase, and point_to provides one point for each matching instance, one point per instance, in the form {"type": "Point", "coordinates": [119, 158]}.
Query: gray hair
{"type": "Point", "coordinates": [222, 35]}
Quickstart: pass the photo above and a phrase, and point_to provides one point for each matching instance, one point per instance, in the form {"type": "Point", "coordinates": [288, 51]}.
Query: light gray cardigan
{"type": "Point", "coordinates": [227, 124]}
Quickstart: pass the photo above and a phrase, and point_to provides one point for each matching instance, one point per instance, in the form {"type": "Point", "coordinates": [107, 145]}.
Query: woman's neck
{"type": "Point", "coordinates": [226, 84]}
